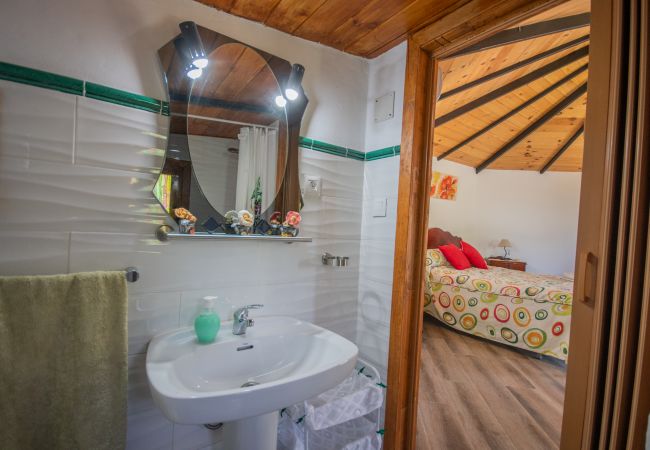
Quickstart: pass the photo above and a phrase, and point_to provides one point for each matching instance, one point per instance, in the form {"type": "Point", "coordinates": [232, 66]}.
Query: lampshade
{"type": "Point", "coordinates": [292, 90]}
{"type": "Point", "coordinates": [195, 50]}
{"type": "Point", "coordinates": [504, 243]}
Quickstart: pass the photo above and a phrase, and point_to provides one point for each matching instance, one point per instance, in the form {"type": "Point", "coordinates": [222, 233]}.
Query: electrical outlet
{"type": "Point", "coordinates": [312, 185]}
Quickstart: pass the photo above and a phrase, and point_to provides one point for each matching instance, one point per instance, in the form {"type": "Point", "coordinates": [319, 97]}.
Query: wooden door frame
{"type": "Point", "coordinates": [458, 27]}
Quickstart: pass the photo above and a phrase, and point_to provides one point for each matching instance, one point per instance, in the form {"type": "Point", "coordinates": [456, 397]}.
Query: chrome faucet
{"type": "Point", "coordinates": [241, 321]}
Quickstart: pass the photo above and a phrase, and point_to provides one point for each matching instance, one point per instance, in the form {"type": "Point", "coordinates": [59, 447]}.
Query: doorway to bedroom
{"type": "Point", "coordinates": [503, 221]}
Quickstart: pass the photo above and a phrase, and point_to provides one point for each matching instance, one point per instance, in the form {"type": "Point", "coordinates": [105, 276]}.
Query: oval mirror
{"type": "Point", "coordinates": [233, 134]}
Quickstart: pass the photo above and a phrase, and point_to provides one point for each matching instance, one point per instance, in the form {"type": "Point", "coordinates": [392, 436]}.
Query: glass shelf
{"type": "Point", "coordinates": [164, 234]}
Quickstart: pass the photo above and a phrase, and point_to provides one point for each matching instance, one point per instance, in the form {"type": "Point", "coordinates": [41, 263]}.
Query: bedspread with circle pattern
{"type": "Point", "coordinates": [520, 309]}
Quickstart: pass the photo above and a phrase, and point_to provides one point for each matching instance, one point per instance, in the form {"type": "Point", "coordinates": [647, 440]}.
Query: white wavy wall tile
{"type": "Point", "coordinates": [381, 177]}
{"type": "Point", "coordinates": [40, 253]}
{"type": "Point", "coordinates": [341, 177]}
{"type": "Point", "coordinates": [147, 428]}
{"type": "Point", "coordinates": [36, 123]}
{"type": "Point", "coordinates": [376, 268]}
{"type": "Point", "coordinates": [165, 267]}
{"type": "Point", "coordinates": [151, 314]}
{"type": "Point", "coordinates": [47, 196]}
{"type": "Point", "coordinates": [331, 217]}
{"type": "Point", "coordinates": [86, 204]}
{"type": "Point", "coordinates": [114, 136]}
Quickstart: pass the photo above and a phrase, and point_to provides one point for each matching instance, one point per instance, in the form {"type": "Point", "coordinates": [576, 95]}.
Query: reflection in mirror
{"type": "Point", "coordinates": [236, 131]}
{"type": "Point", "coordinates": [233, 133]}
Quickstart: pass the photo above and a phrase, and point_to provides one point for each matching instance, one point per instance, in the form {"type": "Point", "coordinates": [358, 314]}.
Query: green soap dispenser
{"type": "Point", "coordinates": [207, 324]}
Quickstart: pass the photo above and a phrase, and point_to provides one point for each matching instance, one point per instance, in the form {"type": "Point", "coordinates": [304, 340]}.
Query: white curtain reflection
{"type": "Point", "coordinates": [258, 153]}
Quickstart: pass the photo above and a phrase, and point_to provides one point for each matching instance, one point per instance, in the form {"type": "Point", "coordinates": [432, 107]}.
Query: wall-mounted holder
{"type": "Point", "coordinates": [132, 274]}
{"type": "Point", "coordinates": [336, 261]}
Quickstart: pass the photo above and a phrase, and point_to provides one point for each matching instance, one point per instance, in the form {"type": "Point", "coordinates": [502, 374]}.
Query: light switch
{"type": "Point", "coordinates": [379, 206]}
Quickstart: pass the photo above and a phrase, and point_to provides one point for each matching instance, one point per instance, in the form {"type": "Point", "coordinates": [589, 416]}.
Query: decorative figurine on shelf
{"type": "Point", "coordinates": [256, 198]}
{"type": "Point", "coordinates": [245, 222]}
{"type": "Point", "coordinates": [290, 225]}
{"type": "Point", "coordinates": [275, 222]}
{"type": "Point", "coordinates": [232, 220]}
{"type": "Point", "coordinates": [186, 221]}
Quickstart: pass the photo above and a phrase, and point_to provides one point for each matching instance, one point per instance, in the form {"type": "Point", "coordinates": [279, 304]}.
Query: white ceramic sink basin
{"type": "Point", "coordinates": [291, 360]}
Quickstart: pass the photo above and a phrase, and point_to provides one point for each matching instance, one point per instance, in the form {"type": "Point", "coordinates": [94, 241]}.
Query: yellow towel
{"type": "Point", "coordinates": [63, 367]}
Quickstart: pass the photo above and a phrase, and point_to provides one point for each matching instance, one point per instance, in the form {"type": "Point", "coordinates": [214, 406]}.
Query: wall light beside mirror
{"type": "Point", "coordinates": [231, 165]}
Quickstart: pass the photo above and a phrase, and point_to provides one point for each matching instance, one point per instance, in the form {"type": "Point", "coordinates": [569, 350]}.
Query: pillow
{"type": "Point", "coordinates": [455, 256]}
{"type": "Point", "coordinates": [435, 258]}
{"type": "Point", "coordinates": [473, 255]}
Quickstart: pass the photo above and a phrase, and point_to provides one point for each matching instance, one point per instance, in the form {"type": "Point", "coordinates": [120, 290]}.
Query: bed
{"type": "Point", "coordinates": [519, 309]}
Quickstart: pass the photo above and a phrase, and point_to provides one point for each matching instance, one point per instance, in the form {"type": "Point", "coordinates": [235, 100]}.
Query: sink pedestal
{"type": "Point", "coordinates": [259, 433]}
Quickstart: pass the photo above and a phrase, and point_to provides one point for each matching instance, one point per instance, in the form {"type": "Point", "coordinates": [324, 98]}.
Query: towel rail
{"type": "Point", "coordinates": [132, 274]}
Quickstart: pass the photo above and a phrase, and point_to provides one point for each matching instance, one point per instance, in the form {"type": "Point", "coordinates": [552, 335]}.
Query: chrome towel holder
{"type": "Point", "coordinates": [132, 274]}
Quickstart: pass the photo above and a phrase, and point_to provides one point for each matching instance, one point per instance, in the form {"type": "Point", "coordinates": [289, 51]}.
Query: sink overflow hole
{"type": "Point", "coordinates": [249, 384]}
{"type": "Point", "coordinates": [213, 426]}
{"type": "Point", "coordinates": [245, 347]}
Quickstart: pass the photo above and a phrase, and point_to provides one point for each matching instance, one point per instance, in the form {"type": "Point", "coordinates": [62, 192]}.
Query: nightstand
{"type": "Point", "coordinates": [511, 264]}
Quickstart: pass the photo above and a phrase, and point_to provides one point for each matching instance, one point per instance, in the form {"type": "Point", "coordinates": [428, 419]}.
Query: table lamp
{"type": "Point", "coordinates": [505, 244]}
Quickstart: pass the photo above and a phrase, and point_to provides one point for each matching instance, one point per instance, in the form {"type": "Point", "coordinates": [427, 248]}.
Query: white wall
{"type": "Point", "coordinates": [537, 213]}
{"type": "Point", "coordinates": [386, 73]}
{"type": "Point", "coordinates": [116, 42]}
{"type": "Point", "coordinates": [76, 177]}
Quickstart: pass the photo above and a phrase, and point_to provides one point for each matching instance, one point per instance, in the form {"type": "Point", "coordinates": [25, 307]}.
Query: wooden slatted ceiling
{"type": "Point", "coordinates": [534, 151]}
{"type": "Point", "coordinates": [361, 27]}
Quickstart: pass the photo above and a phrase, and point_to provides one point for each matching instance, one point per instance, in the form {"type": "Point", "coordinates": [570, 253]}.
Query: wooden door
{"type": "Point", "coordinates": [607, 402]}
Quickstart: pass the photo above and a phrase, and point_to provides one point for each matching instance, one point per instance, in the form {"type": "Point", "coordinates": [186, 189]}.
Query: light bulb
{"type": "Point", "coordinates": [194, 73]}
{"type": "Point", "coordinates": [201, 63]}
{"type": "Point", "coordinates": [291, 94]}
{"type": "Point", "coordinates": [280, 101]}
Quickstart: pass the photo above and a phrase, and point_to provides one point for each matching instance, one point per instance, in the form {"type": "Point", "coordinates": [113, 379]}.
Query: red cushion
{"type": "Point", "coordinates": [473, 255]}
{"type": "Point", "coordinates": [455, 256]}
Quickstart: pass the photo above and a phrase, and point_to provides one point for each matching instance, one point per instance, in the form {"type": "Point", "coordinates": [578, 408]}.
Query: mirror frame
{"type": "Point", "coordinates": [288, 197]}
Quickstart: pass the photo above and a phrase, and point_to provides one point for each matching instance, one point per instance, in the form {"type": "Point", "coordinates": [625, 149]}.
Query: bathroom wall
{"type": "Point", "coordinates": [386, 74]}
{"type": "Point", "coordinates": [76, 177]}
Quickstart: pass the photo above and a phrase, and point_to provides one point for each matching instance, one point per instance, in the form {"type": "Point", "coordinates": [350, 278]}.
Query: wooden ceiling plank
{"type": "Point", "coordinates": [394, 29]}
{"type": "Point", "coordinates": [289, 15]}
{"type": "Point", "coordinates": [257, 10]}
{"type": "Point", "coordinates": [515, 66]}
{"type": "Point", "coordinates": [564, 148]}
{"type": "Point", "coordinates": [532, 76]}
{"type": "Point", "coordinates": [566, 101]}
{"type": "Point", "coordinates": [514, 111]}
{"type": "Point", "coordinates": [526, 32]}
{"type": "Point", "coordinates": [333, 13]}
{"type": "Point", "coordinates": [369, 18]}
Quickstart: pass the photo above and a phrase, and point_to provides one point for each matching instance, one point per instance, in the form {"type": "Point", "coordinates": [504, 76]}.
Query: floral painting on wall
{"type": "Point", "coordinates": [443, 186]}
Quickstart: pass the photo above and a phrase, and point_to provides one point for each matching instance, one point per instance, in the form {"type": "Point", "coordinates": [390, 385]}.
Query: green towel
{"type": "Point", "coordinates": [63, 367]}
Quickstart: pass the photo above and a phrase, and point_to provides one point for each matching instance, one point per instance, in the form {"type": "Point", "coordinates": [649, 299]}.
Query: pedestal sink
{"type": "Point", "coordinates": [245, 380]}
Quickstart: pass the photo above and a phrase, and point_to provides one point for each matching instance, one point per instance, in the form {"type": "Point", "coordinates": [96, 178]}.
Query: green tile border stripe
{"type": "Point", "coordinates": [124, 98]}
{"type": "Point", "coordinates": [383, 153]}
{"type": "Point", "coordinates": [48, 80]}
{"type": "Point", "coordinates": [39, 78]}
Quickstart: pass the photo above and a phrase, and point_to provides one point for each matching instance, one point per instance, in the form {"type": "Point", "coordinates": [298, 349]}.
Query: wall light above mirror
{"type": "Point", "coordinates": [231, 165]}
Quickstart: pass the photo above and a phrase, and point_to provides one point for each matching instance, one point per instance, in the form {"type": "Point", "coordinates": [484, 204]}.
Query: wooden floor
{"type": "Point", "coordinates": [478, 395]}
